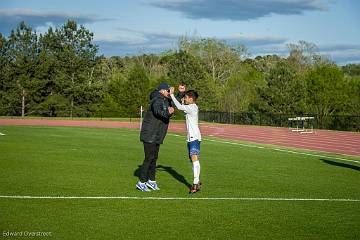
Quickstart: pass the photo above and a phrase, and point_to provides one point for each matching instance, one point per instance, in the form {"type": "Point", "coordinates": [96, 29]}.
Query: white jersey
{"type": "Point", "coordinates": [192, 116]}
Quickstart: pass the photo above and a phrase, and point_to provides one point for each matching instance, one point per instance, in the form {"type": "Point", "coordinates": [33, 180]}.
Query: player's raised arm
{"type": "Point", "coordinates": [176, 102]}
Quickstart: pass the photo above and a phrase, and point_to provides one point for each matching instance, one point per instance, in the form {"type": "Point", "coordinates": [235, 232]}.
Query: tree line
{"type": "Point", "coordinates": [60, 73]}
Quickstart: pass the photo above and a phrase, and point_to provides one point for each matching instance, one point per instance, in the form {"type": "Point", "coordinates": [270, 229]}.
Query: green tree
{"type": "Point", "coordinates": [241, 90]}
{"type": "Point", "coordinates": [111, 102]}
{"type": "Point", "coordinates": [135, 90]}
{"type": "Point", "coordinates": [5, 104]}
{"type": "Point", "coordinates": [188, 69]}
{"type": "Point", "coordinates": [326, 93]}
{"type": "Point", "coordinates": [264, 64]}
{"type": "Point", "coordinates": [302, 54]}
{"type": "Point", "coordinates": [352, 90]}
{"type": "Point", "coordinates": [352, 77]}
{"type": "Point", "coordinates": [77, 57]}
{"type": "Point", "coordinates": [285, 92]}
{"type": "Point", "coordinates": [50, 100]}
{"type": "Point", "coordinates": [22, 50]}
{"type": "Point", "coordinates": [352, 69]}
{"type": "Point", "coordinates": [220, 59]}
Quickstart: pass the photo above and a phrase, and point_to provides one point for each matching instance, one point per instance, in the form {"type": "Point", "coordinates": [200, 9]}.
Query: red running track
{"type": "Point", "coordinates": [322, 140]}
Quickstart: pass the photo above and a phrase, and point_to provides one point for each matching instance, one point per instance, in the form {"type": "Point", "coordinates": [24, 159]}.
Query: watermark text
{"type": "Point", "coordinates": [26, 234]}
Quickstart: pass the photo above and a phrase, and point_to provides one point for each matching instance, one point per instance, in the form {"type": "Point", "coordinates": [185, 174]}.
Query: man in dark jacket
{"type": "Point", "coordinates": [153, 131]}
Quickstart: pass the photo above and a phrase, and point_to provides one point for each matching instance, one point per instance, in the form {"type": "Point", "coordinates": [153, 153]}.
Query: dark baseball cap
{"type": "Point", "coordinates": [164, 86]}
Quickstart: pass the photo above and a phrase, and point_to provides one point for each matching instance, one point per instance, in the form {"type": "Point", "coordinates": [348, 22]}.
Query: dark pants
{"type": "Point", "coordinates": [148, 169]}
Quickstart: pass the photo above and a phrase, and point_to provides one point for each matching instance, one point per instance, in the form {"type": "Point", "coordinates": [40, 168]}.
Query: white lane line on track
{"type": "Point", "coordinates": [322, 141]}
{"type": "Point", "coordinates": [314, 148]}
{"type": "Point", "coordinates": [186, 198]}
{"type": "Point", "coordinates": [284, 150]}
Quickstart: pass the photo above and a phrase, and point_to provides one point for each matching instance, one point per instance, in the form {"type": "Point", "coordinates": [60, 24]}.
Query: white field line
{"type": "Point", "coordinates": [186, 198]}
{"type": "Point", "coordinates": [2, 134]}
{"type": "Point", "coordinates": [278, 149]}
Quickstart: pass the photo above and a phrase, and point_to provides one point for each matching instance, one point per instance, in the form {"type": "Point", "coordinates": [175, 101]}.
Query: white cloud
{"type": "Point", "coordinates": [237, 10]}
{"type": "Point", "coordinates": [10, 18]}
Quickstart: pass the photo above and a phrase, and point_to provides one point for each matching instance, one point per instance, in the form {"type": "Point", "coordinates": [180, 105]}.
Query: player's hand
{"type": "Point", "coordinates": [172, 90]}
{"type": "Point", "coordinates": [182, 88]}
{"type": "Point", "coordinates": [171, 110]}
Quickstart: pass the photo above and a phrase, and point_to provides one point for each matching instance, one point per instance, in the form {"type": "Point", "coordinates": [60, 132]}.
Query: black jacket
{"type": "Point", "coordinates": [156, 119]}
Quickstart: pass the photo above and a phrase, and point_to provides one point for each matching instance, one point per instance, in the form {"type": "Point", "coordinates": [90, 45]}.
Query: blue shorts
{"type": "Point", "coordinates": [194, 148]}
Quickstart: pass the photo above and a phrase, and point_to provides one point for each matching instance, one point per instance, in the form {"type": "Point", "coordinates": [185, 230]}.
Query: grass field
{"type": "Point", "coordinates": [248, 192]}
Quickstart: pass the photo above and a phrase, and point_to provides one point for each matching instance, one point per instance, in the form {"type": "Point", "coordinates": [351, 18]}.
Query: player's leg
{"type": "Point", "coordinates": [144, 170]}
{"type": "Point", "coordinates": [148, 152]}
{"type": "Point", "coordinates": [196, 168]}
{"type": "Point", "coordinates": [194, 152]}
{"type": "Point", "coordinates": [151, 183]}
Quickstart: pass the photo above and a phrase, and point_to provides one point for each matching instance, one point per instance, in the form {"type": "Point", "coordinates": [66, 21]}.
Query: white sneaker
{"type": "Point", "coordinates": [153, 185]}
{"type": "Point", "coordinates": [142, 187]}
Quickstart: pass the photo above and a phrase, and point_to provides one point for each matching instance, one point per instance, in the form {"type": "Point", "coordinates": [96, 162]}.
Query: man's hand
{"type": "Point", "coordinates": [172, 89]}
{"type": "Point", "coordinates": [171, 110]}
{"type": "Point", "coordinates": [182, 88]}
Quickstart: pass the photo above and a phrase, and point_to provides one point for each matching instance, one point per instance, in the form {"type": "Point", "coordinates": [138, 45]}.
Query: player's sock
{"type": "Point", "coordinates": [196, 171]}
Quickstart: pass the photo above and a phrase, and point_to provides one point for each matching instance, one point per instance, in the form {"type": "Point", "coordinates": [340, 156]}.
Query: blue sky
{"type": "Point", "coordinates": [126, 27]}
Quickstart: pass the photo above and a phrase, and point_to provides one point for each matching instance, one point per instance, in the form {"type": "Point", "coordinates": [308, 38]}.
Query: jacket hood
{"type": "Point", "coordinates": [155, 94]}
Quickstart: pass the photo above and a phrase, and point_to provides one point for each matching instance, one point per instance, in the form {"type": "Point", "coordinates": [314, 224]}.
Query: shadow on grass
{"type": "Point", "coordinates": [340, 164]}
{"type": "Point", "coordinates": [169, 170]}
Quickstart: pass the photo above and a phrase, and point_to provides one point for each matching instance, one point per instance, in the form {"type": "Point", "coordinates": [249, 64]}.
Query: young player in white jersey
{"type": "Point", "coordinates": [191, 111]}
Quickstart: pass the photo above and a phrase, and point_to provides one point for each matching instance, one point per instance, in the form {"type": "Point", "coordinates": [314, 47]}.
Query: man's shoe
{"type": "Point", "coordinates": [153, 185]}
{"type": "Point", "coordinates": [142, 187]}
